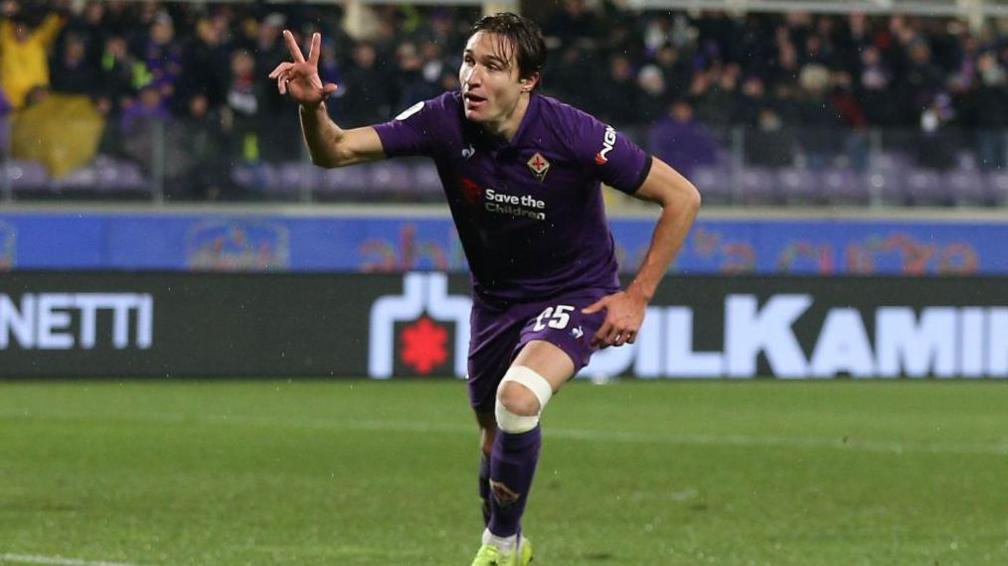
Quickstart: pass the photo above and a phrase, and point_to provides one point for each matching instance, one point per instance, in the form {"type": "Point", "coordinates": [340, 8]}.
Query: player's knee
{"type": "Point", "coordinates": [518, 399]}
{"type": "Point", "coordinates": [521, 397]}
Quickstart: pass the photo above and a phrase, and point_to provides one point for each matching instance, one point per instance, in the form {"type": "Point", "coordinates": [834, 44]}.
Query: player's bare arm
{"type": "Point", "coordinates": [680, 201]}
{"type": "Point", "coordinates": [328, 144]}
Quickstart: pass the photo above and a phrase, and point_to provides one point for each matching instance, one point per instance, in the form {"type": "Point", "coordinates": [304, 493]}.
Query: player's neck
{"type": "Point", "coordinates": [508, 127]}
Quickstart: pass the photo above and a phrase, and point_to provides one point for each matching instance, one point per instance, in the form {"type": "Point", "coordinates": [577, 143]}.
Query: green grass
{"type": "Point", "coordinates": [363, 472]}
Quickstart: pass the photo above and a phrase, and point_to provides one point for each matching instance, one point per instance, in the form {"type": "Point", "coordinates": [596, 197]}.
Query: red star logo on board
{"type": "Point", "coordinates": [539, 166]}
{"type": "Point", "coordinates": [424, 345]}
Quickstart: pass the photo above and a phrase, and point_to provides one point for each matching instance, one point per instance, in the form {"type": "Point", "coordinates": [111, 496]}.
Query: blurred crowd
{"type": "Point", "coordinates": [808, 87]}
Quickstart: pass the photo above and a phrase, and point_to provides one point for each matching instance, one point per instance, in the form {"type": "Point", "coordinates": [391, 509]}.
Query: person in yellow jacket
{"type": "Point", "coordinates": [23, 52]}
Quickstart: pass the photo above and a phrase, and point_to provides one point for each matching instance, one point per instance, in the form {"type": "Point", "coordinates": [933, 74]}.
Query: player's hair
{"type": "Point", "coordinates": [520, 35]}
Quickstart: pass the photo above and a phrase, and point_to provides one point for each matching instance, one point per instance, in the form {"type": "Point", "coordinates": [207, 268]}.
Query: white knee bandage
{"type": "Point", "coordinates": [537, 384]}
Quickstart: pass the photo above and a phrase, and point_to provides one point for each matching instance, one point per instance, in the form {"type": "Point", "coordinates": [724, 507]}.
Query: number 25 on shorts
{"type": "Point", "coordinates": [554, 317]}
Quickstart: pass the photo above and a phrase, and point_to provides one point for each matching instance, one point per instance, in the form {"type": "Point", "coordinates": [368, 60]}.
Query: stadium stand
{"type": "Point", "coordinates": [759, 108]}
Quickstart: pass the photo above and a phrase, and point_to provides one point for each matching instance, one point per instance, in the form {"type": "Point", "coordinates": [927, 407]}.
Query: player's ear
{"type": "Point", "coordinates": [529, 83]}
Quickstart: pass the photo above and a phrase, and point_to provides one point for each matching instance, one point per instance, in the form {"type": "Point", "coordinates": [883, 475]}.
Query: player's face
{"type": "Point", "coordinates": [489, 76]}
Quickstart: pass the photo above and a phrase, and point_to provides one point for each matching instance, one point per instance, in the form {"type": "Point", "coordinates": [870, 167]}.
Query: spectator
{"type": "Point", "coordinates": [715, 91]}
{"type": "Point", "coordinates": [241, 113]}
{"type": "Point", "coordinates": [921, 84]}
{"type": "Point", "coordinates": [269, 49]}
{"type": "Point", "coordinates": [620, 96]}
{"type": "Point", "coordinates": [205, 65]}
{"type": "Point", "coordinates": [366, 98]}
{"type": "Point", "coordinates": [574, 24]}
{"type": "Point", "coordinates": [117, 66]}
{"type": "Point", "coordinates": [786, 66]}
{"type": "Point", "coordinates": [141, 125]}
{"type": "Point", "coordinates": [90, 28]}
{"type": "Point", "coordinates": [749, 103]}
{"type": "Point", "coordinates": [985, 111]}
{"type": "Point", "coordinates": [682, 142]}
{"type": "Point", "coordinates": [162, 55]}
{"type": "Point", "coordinates": [936, 145]}
{"type": "Point", "coordinates": [852, 119]}
{"type": "Point", "coordinates": [194, 165]}
{"type": "Point", "coordinates": [654, 99]}
{"type": "Point", "coordinates": [24, 64]}
{"type": "Point", "coordinates": [770, 143]}
{"type": "Point", "coordinates": [676, 73]}
{"type": "Point", "coordinates": [72, 73]}
{"type": "Point", "coordinates": [573, 77]}
{"type": "Point", "coordinates": [440, 28]}
{"type": "Point", "coordinates": [820, 123]}
{"type": "Point", "coordinates": [873, 90]}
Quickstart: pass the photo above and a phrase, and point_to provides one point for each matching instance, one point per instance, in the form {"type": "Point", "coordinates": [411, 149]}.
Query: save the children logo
{"type": "Point", "coordinates": [498, 201]}
{"type": "Point", "coordinates": [421, 314]}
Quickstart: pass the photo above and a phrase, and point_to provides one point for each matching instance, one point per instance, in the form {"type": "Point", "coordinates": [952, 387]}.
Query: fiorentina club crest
{"type": "Point", "coordinates": [539, 166]}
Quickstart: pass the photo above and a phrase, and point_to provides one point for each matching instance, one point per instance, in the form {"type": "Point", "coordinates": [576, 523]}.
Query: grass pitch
{"type": "Point", "coordinates": [633, 473]}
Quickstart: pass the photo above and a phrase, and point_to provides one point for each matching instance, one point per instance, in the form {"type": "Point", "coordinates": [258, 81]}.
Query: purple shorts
{"type": "Point", "coordinates": [497, 334]}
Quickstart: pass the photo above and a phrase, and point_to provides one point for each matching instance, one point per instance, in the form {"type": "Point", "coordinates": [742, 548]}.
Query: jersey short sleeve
{"type": "Point", "coordinates": [617, 161]}
{"type": "Point", "coordinates": [416, 130]}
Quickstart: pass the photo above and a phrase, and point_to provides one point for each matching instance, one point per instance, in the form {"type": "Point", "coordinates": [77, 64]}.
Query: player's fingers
{"type": "Point", "coordinates": [595, 307]}
{"type": "Point", "coordinates": [329, 89]}
{"type": "Point", "coordinates": [282, 85]}
{"type": "Point", "coordinates": [631, 336]}
{"type": "Point", "coordinates": [603, 337]}
{"type": "Point", "coordinates": [613, 335]}
{"type": "Point", "coordinates": [599, 337]}
{"type": "Point", "coordinates": [315, 49]}
{"type": "Point", "coordinates": [292, 46]}
{"type": "Point", "coordinates": [279, 69]}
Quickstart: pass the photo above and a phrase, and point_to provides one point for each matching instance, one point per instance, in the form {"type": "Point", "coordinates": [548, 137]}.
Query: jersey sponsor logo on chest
{"type": "Point", "coordinates": [501, 202]}
{"type": "Point", "coordinates": [539, 166]}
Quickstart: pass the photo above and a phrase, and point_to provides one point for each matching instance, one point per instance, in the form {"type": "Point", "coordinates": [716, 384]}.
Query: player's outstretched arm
{"type": "Point", "coordinates": [328, 144]}
{"type": "Point", "coordinates": [680, 201]}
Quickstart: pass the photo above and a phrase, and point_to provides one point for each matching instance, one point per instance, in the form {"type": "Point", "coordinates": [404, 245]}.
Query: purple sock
{"type": "Point", "coordinates": [512, 465]}
{"type": "Point", "coordinates": [484, 486]}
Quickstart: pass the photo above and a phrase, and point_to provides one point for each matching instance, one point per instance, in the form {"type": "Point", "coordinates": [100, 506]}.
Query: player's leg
{"type": "Point", "coordinates": [539, 370]}
{"type": "Point", "coordinates": [494, 335]}
{"type": "Point", "coordinates": [488, 431]}
{"type": "Point", "coordinates": [554, 344]}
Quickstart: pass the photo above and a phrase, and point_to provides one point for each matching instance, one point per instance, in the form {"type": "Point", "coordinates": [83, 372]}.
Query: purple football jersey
{"type": "Point", "coordinates": [529, 212]}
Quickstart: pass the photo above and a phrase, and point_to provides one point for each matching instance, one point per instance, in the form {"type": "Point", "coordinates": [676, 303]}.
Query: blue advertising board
{"type": "Point", "coordinates": [215, 241]}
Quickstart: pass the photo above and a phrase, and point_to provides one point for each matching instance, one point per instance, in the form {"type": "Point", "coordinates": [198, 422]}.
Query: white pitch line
{"type": "Point", "coordinates": [56, 560]}
{"type": "Point", "coordinates": [623, 437]}
{"type": "Point", "coordinates": [701, 439]}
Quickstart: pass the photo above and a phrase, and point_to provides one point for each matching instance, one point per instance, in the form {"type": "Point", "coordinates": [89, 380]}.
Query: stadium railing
{"type": "Point", "coordinates": [174, 162]}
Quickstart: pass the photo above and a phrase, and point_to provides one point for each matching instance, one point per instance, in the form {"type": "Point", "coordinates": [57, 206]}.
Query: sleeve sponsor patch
{"type": "Point", "coordinates": [410, 111]}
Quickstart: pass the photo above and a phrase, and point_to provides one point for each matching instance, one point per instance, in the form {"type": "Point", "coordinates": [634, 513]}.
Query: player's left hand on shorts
{"type": "Point", "coordinates": [624, 316]}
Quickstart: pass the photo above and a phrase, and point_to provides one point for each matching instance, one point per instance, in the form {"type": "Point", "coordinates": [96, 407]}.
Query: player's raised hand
{"type": "Point", "coordinates": [624, 316]}
{"type": "Point", "coordinates": [299, 79]}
